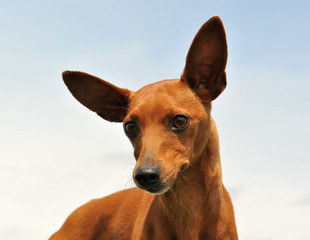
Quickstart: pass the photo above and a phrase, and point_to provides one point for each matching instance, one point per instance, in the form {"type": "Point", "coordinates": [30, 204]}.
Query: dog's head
{"type": "Point", "coordinates": [167, 122]}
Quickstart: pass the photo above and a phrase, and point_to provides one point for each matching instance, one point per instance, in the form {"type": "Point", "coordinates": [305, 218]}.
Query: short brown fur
{"type": "Point", "coordinates": [188, 200]}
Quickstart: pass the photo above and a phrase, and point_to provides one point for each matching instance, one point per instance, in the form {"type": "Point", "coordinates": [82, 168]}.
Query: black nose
{"type": "Point", "coordinates": [147, 176]}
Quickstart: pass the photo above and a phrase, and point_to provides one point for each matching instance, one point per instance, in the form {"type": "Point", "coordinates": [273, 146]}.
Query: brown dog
{"type": "Point", "coordinates": [176, 148]}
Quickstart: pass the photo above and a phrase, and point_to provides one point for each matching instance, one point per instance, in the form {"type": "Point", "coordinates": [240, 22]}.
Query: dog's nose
{"type": "Point", "coordinates": [147, 176]}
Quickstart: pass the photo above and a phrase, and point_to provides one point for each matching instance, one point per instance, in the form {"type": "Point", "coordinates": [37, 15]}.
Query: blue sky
{"type": "Point", "coordinates": [56, 155]}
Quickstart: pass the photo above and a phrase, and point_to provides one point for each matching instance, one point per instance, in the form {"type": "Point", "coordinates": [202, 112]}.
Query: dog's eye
{"type": "Point", "coordinates": [180, 122]}
{"type": "Point", "coordinates": [131, 128]}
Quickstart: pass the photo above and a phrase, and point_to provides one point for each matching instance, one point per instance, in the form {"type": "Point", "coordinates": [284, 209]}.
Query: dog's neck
{"type": "Point", "coordinates": [198, 190]}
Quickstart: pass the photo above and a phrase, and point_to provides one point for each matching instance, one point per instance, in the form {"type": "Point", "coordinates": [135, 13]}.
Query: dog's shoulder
{"type": "Point", "coordinates": [99, 216]}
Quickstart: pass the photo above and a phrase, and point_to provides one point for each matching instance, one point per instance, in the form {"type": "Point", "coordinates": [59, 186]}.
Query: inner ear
{"type": "Point", "coordinates": [108, 101]}
{"type": "Point", "coordinates": [206, 60]}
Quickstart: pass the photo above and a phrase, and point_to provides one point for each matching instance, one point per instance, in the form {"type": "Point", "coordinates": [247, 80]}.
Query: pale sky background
{"type": "Point", "coordinates": [56, 155]}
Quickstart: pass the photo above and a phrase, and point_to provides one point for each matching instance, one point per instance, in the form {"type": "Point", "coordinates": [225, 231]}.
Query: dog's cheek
{"type": "Point", "coordinates": [199, 140]}
{"type": "Point", "coordinates": [192, 133]}
{"type": "Point", "coordinates": [173, 154]}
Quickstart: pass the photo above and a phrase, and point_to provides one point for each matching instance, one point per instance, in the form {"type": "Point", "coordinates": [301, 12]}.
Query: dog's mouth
{"type": "Point", "coordinates": [182, 169]}
{"type": "Point", "coordinates": [159, 190]}
{"type": "Point", "coordinates": [164, 184]}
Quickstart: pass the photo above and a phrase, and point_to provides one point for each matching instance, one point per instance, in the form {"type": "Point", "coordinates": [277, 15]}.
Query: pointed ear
{"type": "Point", "coordinates": [107, 100]}
{"type": "Point", "coordinates": [206, 61]}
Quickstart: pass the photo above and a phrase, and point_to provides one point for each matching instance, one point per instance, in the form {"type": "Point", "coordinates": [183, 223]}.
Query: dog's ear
{"type": "Point", "coordinates": [206, 61]}
{"type": "Point", "coordinates": [107, 100]}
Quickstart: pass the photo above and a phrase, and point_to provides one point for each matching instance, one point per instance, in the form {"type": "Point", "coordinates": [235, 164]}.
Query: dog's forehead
{"type": "Point", "coordinates": [164, 97]}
